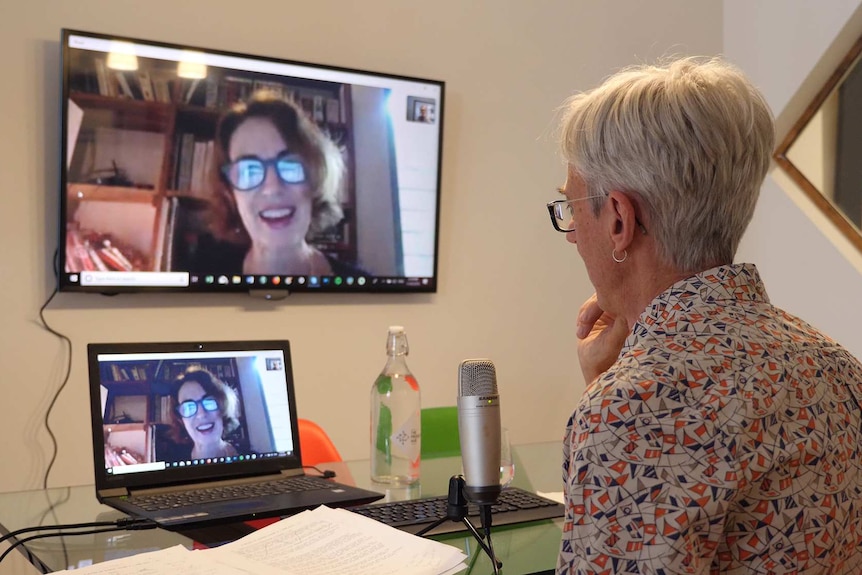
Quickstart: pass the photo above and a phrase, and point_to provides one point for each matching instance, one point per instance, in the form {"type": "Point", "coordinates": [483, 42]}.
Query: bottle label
{"type": "Point", "coordinates": [384, 384]}
{"type": "Point", "coordinates": [406, 440]}
{"type": "Point", "coordinates": [411, 381]}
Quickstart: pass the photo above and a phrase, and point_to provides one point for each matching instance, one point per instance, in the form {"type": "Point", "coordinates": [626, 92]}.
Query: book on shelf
{"type": "Point", "coordinates": [114, 258]}
{"type": "Point", "coordinates": [224, 91]}
{"type": "Point", "coordinates": [224, 370]}
{"type": "Point", "coordinates": [332, 114]}
{"type": "Point", "coordinates": [77, 258]}
{"type": "Point", "coordinates": [317, 113]}
{"type": "Point", "coordinates": [342, 100]}
{"type": "Point", "coordinates": [192, 163]}
{"type": "Point", "coordinates": [150, 442]}
{"type": "Point", "coordinates": [163, 409]}
{"type": "Point", "coordinates": [146, 85]}
{"type": "Point", "coordinates": [95, 258]}
{"type": "Point", "coordinates": [165, 237]}
{"type": "Point", "coordinates": [201, 164]}
{"type": "Point", "coordinates": [125, 86]}
{"type": "Point", "coordinates": [306, 103]}
{"type": "Point", "coordinates": [104, 82]}
{"type": "Point", "coordinates": [180, 369]}
{"type": "Point", "coordinates": [98, 252]}
{"type": "Point", "coordinates": [161, 87]}
{"type": "Point", "coordinates": [117, 373]}
{"type": "Point", "coordinates": [190, 91]}
{"type": "Point", "coordinates": [238, 89]}
{"type": "Point", "coordinates": [276, 88]}
{"type": "Point", "coordinates": [212, 91]}
{"type": "Point", "coordinates": [128, 373]}
{"type": "Point", "coordinates": [185, 159]}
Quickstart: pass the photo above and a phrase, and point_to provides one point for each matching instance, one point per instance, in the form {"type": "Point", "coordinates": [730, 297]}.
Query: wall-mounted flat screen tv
{"type": "Point", "coordinates": [188, 169]}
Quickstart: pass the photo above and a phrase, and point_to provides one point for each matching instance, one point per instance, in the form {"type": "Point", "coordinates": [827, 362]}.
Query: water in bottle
{"type": "Point", "coordinates": [395, 417]}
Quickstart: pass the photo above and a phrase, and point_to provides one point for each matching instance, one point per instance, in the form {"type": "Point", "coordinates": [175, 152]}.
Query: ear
{"type": "Point", "coordinates": [623, 224]}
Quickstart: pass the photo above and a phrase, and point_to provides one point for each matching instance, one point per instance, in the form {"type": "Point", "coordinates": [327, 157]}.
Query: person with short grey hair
{"type": "Point", "coordinates": [717, 433]}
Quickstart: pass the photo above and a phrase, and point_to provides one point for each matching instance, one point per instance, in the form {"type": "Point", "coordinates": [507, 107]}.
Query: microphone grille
{"type": "Point", "coordinates": [477, 377]}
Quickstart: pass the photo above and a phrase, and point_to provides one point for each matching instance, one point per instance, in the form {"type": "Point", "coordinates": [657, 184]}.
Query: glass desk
{"type": "Point", "coordinates": [523, 549]}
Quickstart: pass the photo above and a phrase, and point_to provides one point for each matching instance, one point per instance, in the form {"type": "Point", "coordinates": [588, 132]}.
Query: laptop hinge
{"type": "Point", "coordinates": [203, 484]}
{"type": "Point", "coordinates": [292, 472]}
{"type": "Point", "coordinates": [115, 492]}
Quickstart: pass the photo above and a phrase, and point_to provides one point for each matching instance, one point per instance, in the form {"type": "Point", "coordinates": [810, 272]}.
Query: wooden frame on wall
{"type": "Point", "coordinates": [828, 207]}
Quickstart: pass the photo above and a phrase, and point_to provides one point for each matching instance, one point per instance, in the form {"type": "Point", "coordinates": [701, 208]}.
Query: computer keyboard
{"type": "Point", "coordinates": [514, 505]}
{"type": "Point", "coordinates": [171, 500]}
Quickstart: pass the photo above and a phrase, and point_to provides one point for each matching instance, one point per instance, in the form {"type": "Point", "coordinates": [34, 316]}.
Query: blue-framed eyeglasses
{"type": "Point", "coordinates": [189, 407]}
{"type": "Point", "coordinates": [248, 172]}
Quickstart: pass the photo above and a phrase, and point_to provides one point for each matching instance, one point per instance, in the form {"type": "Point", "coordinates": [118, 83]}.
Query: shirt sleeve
{"type": "Point", "coordinates": [649, 476]}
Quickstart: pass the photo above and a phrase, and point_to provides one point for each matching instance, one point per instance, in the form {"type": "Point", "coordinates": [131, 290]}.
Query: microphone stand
{"type": "Point", "coordinates": [485, 518]}
{"type": "Point", "coordinates": [456, 510]}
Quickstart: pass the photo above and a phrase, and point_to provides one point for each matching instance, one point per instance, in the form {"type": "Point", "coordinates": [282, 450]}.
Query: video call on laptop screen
{"type": "Point", "coordinates": [178, 411]}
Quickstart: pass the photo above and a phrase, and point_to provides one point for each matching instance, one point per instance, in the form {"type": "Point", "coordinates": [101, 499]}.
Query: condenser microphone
{"type": "Point", "coordinates": [479, 426]}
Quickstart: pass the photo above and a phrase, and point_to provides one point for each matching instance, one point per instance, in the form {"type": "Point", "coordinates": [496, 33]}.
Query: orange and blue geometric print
{"type": "Point", "coordinates": [725, 439]}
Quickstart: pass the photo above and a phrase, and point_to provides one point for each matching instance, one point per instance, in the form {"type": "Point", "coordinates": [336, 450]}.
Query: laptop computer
{"type": "Point", "coordinates": [170, 419]}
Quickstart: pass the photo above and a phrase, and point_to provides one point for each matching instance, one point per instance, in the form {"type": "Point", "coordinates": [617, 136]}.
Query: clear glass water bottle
{"type": "Point", "coordinates": [396, 433]}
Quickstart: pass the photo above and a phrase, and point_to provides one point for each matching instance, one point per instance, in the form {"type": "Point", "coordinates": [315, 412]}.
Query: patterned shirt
{"type": "Point", "coordinates": [725, 439]}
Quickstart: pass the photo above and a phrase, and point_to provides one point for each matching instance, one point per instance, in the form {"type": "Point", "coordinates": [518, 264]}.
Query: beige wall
{"type": "Point", "coordinates": [509, 284]}
{"type": "Point", "coordinates": [790, 48]}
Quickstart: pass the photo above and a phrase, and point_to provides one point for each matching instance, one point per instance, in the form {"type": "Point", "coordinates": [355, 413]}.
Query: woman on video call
{"type": "Point", "coordinates": [280, 180]}
{"type": "Point", "coordinates": [205, 411]}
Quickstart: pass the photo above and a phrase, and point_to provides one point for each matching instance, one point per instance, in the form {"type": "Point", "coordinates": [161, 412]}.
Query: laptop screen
{"type": "Point", "coordinates": [167, 413]}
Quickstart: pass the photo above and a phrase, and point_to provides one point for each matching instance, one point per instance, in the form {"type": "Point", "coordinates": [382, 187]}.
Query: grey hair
{"type": "Point", "coordinates": [693, 138]}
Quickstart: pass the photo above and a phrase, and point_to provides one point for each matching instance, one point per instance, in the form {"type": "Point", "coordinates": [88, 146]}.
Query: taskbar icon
{"type": "Point", "coordinates": [307, 281]}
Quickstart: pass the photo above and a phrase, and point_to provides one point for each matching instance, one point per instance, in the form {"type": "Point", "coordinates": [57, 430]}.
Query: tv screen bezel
{"type": "Point", "coordinates": [249, 284]}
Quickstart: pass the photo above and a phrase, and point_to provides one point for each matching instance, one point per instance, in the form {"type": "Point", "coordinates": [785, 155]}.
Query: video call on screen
{"type": "Point", "coordinates": [139, 170]}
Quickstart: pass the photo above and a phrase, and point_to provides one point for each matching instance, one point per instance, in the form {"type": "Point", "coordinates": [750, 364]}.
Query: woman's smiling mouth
{"type": "Point", "coordinates": [205, 428]}
{"type": "Point", "coordinates": [277, 215]}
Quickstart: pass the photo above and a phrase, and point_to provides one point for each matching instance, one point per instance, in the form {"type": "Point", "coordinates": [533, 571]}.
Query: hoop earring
{"type": "Point", "coordinates": [622, 259]}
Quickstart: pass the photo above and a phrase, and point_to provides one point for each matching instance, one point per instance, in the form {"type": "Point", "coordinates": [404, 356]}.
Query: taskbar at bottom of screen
{"type": "Point", "coordinates": [179, 281]}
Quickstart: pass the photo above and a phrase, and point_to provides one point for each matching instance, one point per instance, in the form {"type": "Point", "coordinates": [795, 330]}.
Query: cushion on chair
{"type": "Point", "coordinates": [315, 444]}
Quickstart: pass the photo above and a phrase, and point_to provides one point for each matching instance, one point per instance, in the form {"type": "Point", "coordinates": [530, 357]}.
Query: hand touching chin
{"type": "Point", "coordinates": [601, 338]}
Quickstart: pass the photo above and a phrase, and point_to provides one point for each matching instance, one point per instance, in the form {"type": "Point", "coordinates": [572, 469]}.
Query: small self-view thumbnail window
{"type": "Point", "coordinates": [274, 364]}
{"type": "Point", "coordinates": [422, 110]}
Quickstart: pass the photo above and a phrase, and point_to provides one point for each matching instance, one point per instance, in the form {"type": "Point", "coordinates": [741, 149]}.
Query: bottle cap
{"type": "Point", "coordinates": [396, 329]}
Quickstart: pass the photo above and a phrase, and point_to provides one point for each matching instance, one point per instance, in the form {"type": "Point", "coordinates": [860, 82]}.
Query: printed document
{"type": "Point", "coordinates": [324, 541]}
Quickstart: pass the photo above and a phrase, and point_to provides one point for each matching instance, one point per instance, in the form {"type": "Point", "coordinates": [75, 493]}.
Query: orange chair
{"type": "Point", "coordinates": [316, 447]}
{"type": "Point", "coordinates": [315, 444]}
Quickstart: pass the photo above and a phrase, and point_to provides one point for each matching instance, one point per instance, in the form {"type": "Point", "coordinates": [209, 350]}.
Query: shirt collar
{"type": "Point", "coordinates": [716, 286]}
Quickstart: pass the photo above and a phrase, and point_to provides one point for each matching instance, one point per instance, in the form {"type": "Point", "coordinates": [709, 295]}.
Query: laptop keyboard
{"type": "Point", "coordinates": [514, 505]}
{"type": "Point", "coordinates": [160, 501]}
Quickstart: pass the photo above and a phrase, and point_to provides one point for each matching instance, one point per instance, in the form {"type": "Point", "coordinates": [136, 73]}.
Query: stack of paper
{"type": "Point", "coordinates": [323, 541]}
